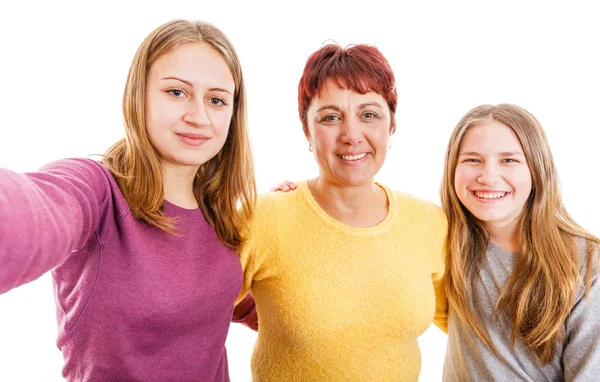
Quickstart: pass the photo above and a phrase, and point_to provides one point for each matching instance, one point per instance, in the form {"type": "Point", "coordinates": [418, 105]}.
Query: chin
{"type": "Point", "coordinates": [190, 162]}
{"type": "Point", "coordinates": [491, 219]}
{"type": "Point", "coordinates": [354, 180]}
{"type": "Point", "coordinates": [484, 217]}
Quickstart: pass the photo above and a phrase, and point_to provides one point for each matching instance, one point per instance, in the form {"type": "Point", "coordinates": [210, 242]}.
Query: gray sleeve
{"type": "Point", "coordinates": [581, 354]}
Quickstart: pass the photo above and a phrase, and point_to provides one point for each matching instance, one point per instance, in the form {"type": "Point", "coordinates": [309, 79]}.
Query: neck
{"type": "Point", "coordinates": [361, 206]}
{"type": "Point", "coordinates": [504, 236]}
{"type": "Point", "coordinates": [178, 183]}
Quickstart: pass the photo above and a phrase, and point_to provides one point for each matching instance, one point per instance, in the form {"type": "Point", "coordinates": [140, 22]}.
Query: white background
{"type": "Point", "coordinates": [63, 67]}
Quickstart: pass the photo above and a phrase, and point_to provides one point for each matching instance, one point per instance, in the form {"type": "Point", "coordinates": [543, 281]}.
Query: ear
{"type": "Point", "coordinates": [306, 132]}
{"type": "Point", "coordinates": [392, 126]}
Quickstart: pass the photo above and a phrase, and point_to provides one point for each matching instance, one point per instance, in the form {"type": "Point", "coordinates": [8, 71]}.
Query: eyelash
{"type": "Point", "coordinates": [331, 117]}
{"type": "Point", "coordinates": [507, 160]}
{"type": "Point", "coordinates": [219, 101]}
{"type": "Point", "coordinates": [171, 91]}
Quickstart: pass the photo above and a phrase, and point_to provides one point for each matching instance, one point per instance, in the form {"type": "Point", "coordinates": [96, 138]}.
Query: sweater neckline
{"type": "Point", "coordinates": [330, 221]}
{"type": "Point", "coordinates": [187, 214]}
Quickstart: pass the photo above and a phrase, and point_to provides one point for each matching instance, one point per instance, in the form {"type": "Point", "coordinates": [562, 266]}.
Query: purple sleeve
{"type": "Point", "coordinates": [45, 216]}
{"type": "Point", "coordinates": [245, 312]}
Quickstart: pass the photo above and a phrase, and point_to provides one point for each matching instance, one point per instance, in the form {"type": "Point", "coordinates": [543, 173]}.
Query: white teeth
{"type": "Point", "coordinates": [490, 195]}
{"type": "Point", "coordinates": [353, 157]}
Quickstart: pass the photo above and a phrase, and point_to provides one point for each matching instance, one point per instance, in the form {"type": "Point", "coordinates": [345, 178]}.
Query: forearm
{"type": "Point", "coordinates": [43, 218]}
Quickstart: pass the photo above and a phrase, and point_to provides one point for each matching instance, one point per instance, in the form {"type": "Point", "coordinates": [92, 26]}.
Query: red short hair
{"type": "Point", "coordinates": [361, 68]}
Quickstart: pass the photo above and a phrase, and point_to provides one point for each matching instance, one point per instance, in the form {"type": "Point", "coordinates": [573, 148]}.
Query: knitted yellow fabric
{"type": "Point", "coordinates": [340, 303]}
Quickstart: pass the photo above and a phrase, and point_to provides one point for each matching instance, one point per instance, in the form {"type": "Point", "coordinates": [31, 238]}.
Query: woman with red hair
{"type": "Point", "coordinates": [344, 270]}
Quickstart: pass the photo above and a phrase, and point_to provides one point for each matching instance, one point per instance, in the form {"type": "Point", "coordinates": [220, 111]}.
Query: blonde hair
{"type": "Point", "coordinates": [540, 293]}
{"type": "Point", "coordinates": [225, 185]}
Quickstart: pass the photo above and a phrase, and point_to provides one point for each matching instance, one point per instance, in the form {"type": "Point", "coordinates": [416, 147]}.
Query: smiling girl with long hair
{"type": "Point", "coordinates": [521, 275]}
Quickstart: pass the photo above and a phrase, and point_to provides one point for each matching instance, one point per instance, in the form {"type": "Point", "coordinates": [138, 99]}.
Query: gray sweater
{"type": "Point", "coordinates": [468, 359]}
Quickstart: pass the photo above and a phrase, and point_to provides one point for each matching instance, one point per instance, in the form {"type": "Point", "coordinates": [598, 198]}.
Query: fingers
{"type": "Point", "coordinates": [291, 185]}
{"type": "Point", "coordinates": [286, 186]}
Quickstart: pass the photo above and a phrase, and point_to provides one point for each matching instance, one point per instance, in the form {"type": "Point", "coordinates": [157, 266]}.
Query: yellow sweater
{"type": "Point", "coordinates": [339, 303]}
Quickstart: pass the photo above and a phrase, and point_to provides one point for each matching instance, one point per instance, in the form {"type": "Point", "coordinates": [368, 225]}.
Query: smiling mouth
{"type": "Point", "coordinates": [353, 157]}
{"type": "Point", "coordinates": [489, 195]}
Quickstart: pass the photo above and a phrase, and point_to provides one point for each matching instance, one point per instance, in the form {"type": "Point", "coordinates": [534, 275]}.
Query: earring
{"type": "Point", "coordinates": [310, 147]}
{"type": "Point", "coordinates": [390, 146]}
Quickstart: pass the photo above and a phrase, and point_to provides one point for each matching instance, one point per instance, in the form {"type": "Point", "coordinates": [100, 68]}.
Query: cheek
{"type": "Point", "coordinates": [524, 182]}
{"type": "Point", "coordinates": [462, 177]}
{"type": "Point", "coordinates": [221, 122]}
{"type": "Point", "coordinates": [377, 137]}
{"type": "Point", "coordinates": [323, 141]}
{"type": "Point", "coordinates": [160, 115]}
{"type": "Point", "coordinates": [153, 124]}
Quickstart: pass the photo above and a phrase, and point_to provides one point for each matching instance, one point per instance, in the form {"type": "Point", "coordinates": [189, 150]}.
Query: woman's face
{"type": "Point", "coordinates": [189, 104]}
{"type": "Point", "coordinates": [349, 133]}
{"type": "Point", "coordinates": [492, 178]}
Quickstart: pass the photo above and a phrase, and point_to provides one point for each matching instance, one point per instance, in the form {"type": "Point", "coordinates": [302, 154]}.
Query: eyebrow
{"type": "Point", "coordinates": [191, 85]}
{"type": "Point", "coordinates": [367, 104]}
{"type": "Point", "coordinates": [361, 106]}
{"type": "Point", "coordinates": [503, 154]}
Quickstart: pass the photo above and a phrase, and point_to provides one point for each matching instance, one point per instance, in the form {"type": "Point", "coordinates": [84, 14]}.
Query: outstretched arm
{"type": "Point", "coordinates": [45, 216]}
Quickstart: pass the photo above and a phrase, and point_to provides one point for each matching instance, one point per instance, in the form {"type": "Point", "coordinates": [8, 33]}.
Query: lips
{"type": "Point", "coordinates": [192, 139]}
{"type": "Point", "coordinates": [192, 135]}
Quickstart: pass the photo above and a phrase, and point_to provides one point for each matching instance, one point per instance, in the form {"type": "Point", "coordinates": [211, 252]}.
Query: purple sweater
{"type": "Point", "coordinates": [132, 302]}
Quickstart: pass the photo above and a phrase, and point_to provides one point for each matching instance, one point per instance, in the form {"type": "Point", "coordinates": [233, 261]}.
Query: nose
{"type": "Point", "coordinates": [195, 114]}
{"type": "Point", "coordinates": [351, 132]}
{"type": "Point", "coordinates": [489, 174]}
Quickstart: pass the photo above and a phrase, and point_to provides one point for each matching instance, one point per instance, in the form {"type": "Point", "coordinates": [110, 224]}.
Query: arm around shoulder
{"type": "Point", "coordinates": [245, 312]}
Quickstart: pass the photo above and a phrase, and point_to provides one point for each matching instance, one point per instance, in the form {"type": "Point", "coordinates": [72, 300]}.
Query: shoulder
{"type": "Point", "coordinates": [87, 169]}
{"type": "Point", "coordinates": [422, 219]}
{"type": "Point", "coordinates": [94, 180]}
{"type": "Point", "coordinates": [279, 202]}
{"type": "Point", "coordinates": [272, 199]}
{"type": "Point", "coordinates": [424, 224]}
{"type": "Point", "coordinates": [418, 210]}
{"type": "Point", "coordinates": [583, 246]}
{"type": "Point", "coordinates": [277, 212]}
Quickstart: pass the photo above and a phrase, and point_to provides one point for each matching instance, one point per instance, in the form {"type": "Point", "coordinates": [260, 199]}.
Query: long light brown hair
{"type": "Point", "coordinates": [225, 185]}
{"type": "Point", "coordinates": [540, 293]}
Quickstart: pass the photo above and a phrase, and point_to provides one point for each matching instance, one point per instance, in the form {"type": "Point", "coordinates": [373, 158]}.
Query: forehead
{"type": "Point", "coordinates": [196, 62]}
{"type": "Point", "coordinates": [337, 94]}
{"type": "Point", "coordinates": [490, 137]}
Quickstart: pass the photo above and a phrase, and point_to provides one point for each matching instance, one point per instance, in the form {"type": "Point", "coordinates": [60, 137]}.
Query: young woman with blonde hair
{"type": "Point", "coordinates": [142, 245]}
{"type": "Point", "coordinates": [521, 275]}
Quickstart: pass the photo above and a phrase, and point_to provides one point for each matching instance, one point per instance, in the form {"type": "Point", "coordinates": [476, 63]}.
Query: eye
{"type": "Point", "coordinates": [369, 115]}
{"type": "Point", "coordinates": [177, 93]}
{"type": "Point", "coordinates": [330, 118]}
{"type": "Point", "coordinates": [471, 160]}
{"type": "Point", "coordinates": [217, 101]}
{"type": "Point", "coordinates": [510, 160]}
